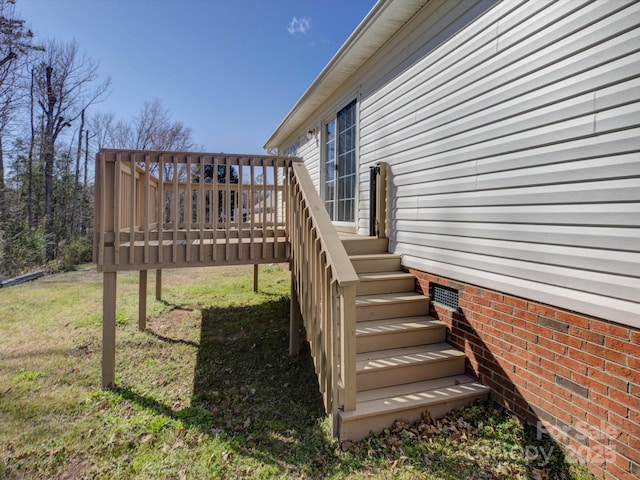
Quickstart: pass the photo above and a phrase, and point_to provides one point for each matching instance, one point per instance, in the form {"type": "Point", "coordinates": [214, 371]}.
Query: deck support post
{"type": "Point", "coordinates": [255, 278]}
{"type": "Point", "coordinates": [159, 284]}
{"type": "Point", "coordinates": [142, 301]}
{"type": "Point", "coordinates": [295, 319]}
{"type": "Point", "coordinates": [109, 329]}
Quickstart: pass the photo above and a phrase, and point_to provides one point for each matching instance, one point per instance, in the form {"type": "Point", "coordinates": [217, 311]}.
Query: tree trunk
{"type": "Point", "coordinates": [85, 193]}
{"type": "Point", "coordinates": [49, 157]}
{"type": "Point", "coordinates": [30, 162]}
{"type": "Point", "coordinates": [3, 197]}
{"type": "Point", "coordinates": [76, 183]}
{"type": "Point", "coordinates": [48, 195]}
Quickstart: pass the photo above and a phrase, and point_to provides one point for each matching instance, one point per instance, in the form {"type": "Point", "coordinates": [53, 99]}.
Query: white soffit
{"type": "Point", "coordinates": [380, 24]}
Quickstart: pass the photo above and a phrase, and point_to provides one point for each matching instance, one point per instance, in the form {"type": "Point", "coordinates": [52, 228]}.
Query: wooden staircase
{"type": "Point", "coordinates": [403, 364]}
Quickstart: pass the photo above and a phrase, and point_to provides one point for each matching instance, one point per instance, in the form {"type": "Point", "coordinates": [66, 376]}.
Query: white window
{"type": "Point", "coordinates": [340, 166]}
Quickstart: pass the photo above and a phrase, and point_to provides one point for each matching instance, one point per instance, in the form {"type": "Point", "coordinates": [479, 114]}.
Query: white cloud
{"type": "Point", "coordinates": [299, 25]}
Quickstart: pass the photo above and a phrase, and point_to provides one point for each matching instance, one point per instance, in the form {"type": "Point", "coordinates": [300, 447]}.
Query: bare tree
{"type": "Point", "coordinates": [153, 129]}
{"type": "Point", "coordinates": [102, 126]}
{"type": "Point", "coordinates": [74, 206]}
{"type": "Point", "coordinates": [64, 88]}
{"type": "Point", "coordinates": [15, 47]}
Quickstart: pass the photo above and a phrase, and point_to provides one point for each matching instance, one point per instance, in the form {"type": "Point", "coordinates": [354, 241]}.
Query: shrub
{"type": "Point", "coordinates": [21, 248]}
{"type": "Point", "coordinates": [75, 251]}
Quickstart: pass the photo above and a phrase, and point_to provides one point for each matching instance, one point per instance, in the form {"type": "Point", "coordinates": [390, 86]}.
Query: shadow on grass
{"type": "Point", "coordinates": [164, 338]}
{"type": "Point", "coordinates": [265, 405]}
{"type": "Point", "coordinates": [265, 400]}
{"type": "Point", "coordinates": [250, 391]}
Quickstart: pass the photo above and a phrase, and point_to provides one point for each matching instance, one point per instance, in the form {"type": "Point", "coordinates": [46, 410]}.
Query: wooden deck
{"type": "Point", "coordinates": [189, 209]}
{"type": "Point", "coordinates": [376, 353]}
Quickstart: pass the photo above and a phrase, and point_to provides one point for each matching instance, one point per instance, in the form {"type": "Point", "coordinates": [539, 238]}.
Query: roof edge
{"type": "Point", "coordinates": [286, 128]}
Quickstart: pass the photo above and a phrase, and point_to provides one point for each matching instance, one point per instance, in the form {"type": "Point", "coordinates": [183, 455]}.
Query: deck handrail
{"type": "Point", "coordinates": [325, 283]}
{"type": "Point", "coordinates": [176, 209]}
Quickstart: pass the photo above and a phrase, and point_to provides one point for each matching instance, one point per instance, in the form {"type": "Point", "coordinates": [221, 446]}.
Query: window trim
{"type": "Point", "coordinates": [355, 100]}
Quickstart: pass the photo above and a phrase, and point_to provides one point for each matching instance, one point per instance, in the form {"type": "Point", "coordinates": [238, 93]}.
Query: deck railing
{"type": "Point", "coordinates": [324, 289]}
{"type": "Point", "coordinates": [158, 210]}
{"type": "Point", "coordinates": [170, 209]}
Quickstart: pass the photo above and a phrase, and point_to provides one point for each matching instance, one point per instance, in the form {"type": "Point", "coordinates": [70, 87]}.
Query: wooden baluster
{"type": "Point", "coordinates": [275, 207]}
{"type": "Point", "coordinates": [240, 208]}
{"type": "Point", "coordinates": [288, 177]}
{"type": "Point", "coordinates": [132, 209]}
{"type": "Point", "coordinates": [338, 384]}
{"type": "Point", "coordinates": [316, 248]}
{"type": "Point", "coordinates": [215, 207]}
{"type": "Point", "coordinates": [252, 208]}
{"type": "Point", "coordinates": [147, 193]}
{"type": "Point", "coordinates": [201, 205]}
{"type": "Point", "coordinates": [117, 177]}
{"type": "Point", "coordinates": [227, 207]}
{"type": "Point", "coordinates": [176, 209]}
{"type": "Point", "coordinates": [188, 200]}
{"type": "Point", "coordinates": [162, 205]}
{"type": "Point", "coordinates": [264, 209]}
{"type": "Point", "coordinates": [348, 347]}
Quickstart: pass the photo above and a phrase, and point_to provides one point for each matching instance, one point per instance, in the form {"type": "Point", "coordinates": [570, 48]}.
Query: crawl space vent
{"type": "Point", "coordinates": [446, 296]}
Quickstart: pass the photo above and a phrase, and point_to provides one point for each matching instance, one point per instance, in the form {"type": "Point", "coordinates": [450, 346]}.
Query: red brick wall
{"type": "Point", "coordinates": [577, 375]}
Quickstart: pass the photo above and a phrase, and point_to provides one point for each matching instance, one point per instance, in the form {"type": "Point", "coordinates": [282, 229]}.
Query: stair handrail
{"type": "Point", "coordinates": [325, 283]}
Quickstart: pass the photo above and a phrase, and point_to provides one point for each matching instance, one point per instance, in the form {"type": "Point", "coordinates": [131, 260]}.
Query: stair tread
{"type": "Point", "coordinates": [393, 275]}
{"type": "Point", "coordinates": [395, 325]}
{"type": "Point", "coordinates": [411, 395]}
{"type": "Point", "coordinates": [374, 256]}
{"type": "Point", "coordinates": [405, 356]}
{"type": "Point", "coordinates": [382, 298]}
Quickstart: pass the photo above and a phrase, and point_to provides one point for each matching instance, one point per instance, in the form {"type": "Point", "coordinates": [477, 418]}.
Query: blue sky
{"type": "Point", "coordinates": [229, 69]}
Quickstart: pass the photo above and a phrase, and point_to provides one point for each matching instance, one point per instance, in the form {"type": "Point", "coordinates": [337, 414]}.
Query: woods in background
{"type": "Point", "coordinates": [50, 130]}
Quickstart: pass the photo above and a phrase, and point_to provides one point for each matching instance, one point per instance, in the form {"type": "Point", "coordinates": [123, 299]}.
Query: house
{"type": "Point", "coordinates": [509, 134]}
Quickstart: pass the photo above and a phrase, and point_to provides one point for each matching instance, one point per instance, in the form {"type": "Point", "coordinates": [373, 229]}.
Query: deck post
{"type": "Point", "coordinates": [142, 301]}
{"type": "Point", "coordinates": [109, 329]}
{"type": "Point", "coordinates": [255, 278]}
{"type": "Point", "coordinates": [295, 319]}
{"type": "Point", "coordinates": [159, 284]}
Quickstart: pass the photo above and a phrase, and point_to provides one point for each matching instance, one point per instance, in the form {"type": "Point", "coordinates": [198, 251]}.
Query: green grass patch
{"type": "Point", "coordinates": [208, 391]}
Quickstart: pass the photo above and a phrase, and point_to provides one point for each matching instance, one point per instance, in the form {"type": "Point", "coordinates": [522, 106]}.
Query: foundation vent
{"type": "Point", "coordinates": [446, 296]}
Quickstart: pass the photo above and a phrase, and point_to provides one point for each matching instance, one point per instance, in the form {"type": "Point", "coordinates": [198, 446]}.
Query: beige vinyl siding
{"type": "Point", "coordinates": [309, 150]}
{"type": "Point", "coordinates": [512, 132]}
{"type": "Point", "coordinates": [515, 155]}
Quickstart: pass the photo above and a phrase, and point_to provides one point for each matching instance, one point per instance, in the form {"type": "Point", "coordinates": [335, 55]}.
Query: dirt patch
{"type": "Point", "coordinates": [77, 469]}
{"type": "Point", "coordinates": [178, 317]}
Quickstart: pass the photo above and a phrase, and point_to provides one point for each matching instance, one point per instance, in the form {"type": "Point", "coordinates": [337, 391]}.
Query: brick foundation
{"type": "Point", "coordinates": [577, 375]}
